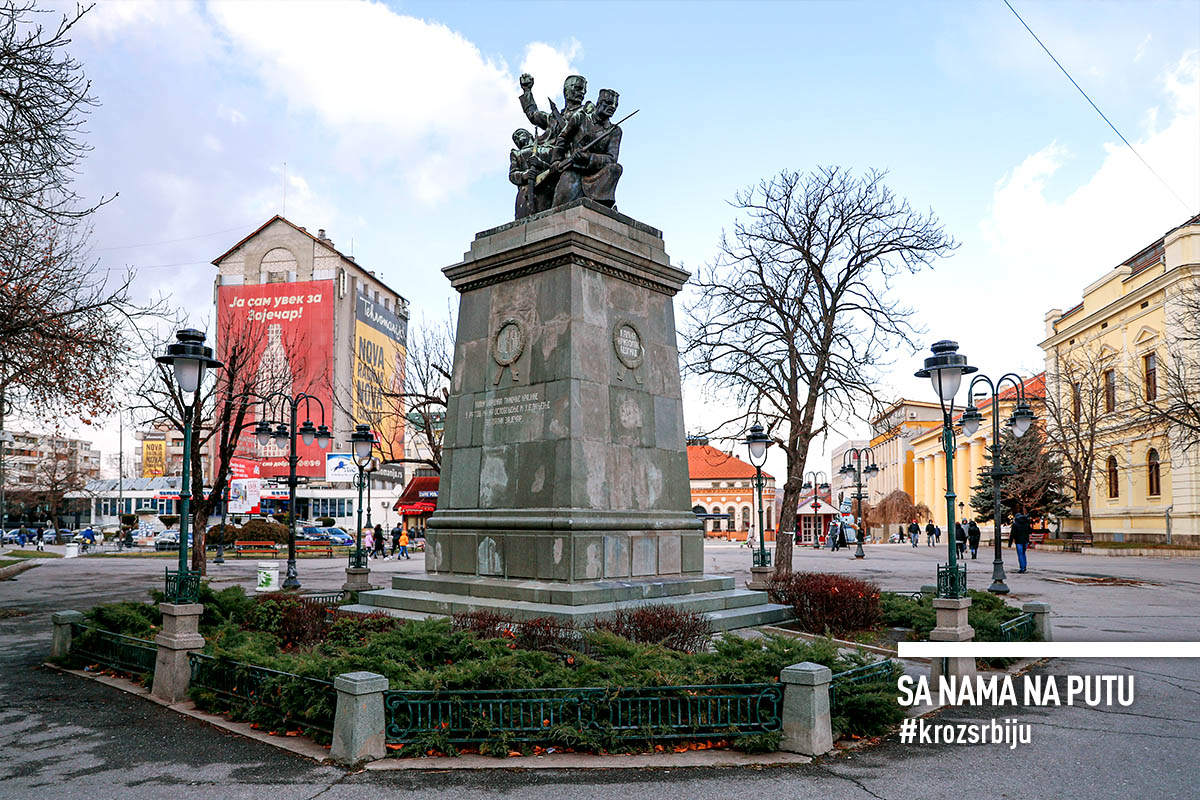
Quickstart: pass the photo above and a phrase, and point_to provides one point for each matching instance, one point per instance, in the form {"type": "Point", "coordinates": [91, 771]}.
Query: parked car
{"type": "Point", "coordinates": [169, 540]}
{"type": "Point", "coordinates": [12, 536]}
{"type": "Point", "coordinates": [335, 536]}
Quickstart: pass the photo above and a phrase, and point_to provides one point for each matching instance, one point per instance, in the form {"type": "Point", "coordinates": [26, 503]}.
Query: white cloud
{"type": "Point", "coordinates": [395, 90]}
{"type": "Point", "coordinates": [212, 143]}
{"type": "Point", "coordinates": [550, 66]}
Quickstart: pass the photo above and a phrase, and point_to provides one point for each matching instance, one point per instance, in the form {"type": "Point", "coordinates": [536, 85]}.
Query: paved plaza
{"type": "Point", "coordinates": [61, 736]}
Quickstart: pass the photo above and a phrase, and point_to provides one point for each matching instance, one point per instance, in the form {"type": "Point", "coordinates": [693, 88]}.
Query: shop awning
{"type": "Point", "coordinates": [416, 509]}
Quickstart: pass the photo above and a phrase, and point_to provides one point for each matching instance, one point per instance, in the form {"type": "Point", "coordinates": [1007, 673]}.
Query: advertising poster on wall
{"type": "Point", "coordinates": [287, 329]}
{"type": "Point", "coordinates": [245, 486]}
{"type": "Point", "coordinates": [339, 468]}
{"type": "Point", "coordinates": [154, 458]}
{"type": "Point", "coordinates": [380, 346]}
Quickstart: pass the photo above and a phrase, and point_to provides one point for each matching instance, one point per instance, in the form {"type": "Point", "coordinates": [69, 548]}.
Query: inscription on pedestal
{"type": "Point", "coordinates": [510, 409]}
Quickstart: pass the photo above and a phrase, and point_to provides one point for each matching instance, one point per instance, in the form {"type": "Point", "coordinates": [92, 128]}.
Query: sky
{"type": "Point", "coordinates": [388, 125]}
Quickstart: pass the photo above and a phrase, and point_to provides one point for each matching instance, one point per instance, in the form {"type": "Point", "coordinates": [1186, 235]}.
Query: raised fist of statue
{"type": "Point", "coordinates": [526, 81]}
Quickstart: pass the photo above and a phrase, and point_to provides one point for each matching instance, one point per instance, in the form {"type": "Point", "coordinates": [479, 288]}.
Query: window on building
{"type": "Point", "coordinates": [745, 518]}
{"type": "Point", "coordinates": [1110, 391]}
{"type": "Point", "coordinates": [770, 519]}
{"type": "Point", "coordinates": [1153, 474]}
{"type": "Point", "coordinates": [1114, 486]}
{"type": "Point", "coordinates": [1150, 373]}
{"type": "Point", "coordinates": [276, 277]}
{"type": "Point", "coordinates": [731, 525]}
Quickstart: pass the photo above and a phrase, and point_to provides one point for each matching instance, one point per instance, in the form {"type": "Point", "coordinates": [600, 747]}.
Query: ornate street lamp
{"type": "Point", "coordinates": [856, 455]}
{"type": "Point", "coordinates": [284, 435]}
{"type": "Point", "coordinates": [757, 444]}
{"type": "Point", "coordinates": [1021, 419]}
{"type": "Point", "coordinates": [362, 442]}
{"type": "Point", "coordinates": [945, 369]}
{"type": "Point", "coordinates": [189, 358]}
{"type": "Point", "coordinates": [818, 482]}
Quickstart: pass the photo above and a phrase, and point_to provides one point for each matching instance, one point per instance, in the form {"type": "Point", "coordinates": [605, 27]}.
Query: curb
{"type": "Point", "coordinates": [13, 570]}
{"type": "Point", "coordinates": [573, 761]}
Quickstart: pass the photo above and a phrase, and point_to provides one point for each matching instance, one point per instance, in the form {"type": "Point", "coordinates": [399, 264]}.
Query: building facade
{"type": "Point", "coordinates": [1146, 484]}
{"type": "Point", "coordinates": [40, 471]}
{"type": "Point", "coordinates": [970, 455]}
{"type": "Point", "coordinates": [324, 325]}
{"type": "Point", "coordinates": [843, 485]}
{"type": "Point", "coordinates": [892, 433]}
{"type": "Point", "coordinates": [724, 484]}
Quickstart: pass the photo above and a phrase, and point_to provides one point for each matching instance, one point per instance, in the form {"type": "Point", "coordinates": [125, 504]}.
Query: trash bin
{"type": "Point", "coordinates": [72, 550]}
{"type": "Point", "coordinates": [268, 576]}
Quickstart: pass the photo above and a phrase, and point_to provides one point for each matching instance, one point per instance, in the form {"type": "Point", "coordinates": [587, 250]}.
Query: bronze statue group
{"type": "Point", "coordinates": [574, 155]}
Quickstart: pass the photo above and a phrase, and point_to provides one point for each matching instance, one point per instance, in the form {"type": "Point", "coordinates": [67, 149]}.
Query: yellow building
{"type": "Point", "coordinates": [892, 433]}
{"type": "Point", "coordinates": [1144, 483]}
{"type": "Point", "coordinates": [929, 460]}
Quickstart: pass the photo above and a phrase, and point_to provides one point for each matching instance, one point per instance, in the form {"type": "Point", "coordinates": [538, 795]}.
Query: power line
{"type": "Point", "coordinates": [1097, 108]}
{"type": "Point", "coordinates": [173, 241]}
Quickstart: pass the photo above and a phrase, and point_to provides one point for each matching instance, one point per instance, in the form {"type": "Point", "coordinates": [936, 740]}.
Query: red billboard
{"type": "Point", "coordinates": [280, 336]}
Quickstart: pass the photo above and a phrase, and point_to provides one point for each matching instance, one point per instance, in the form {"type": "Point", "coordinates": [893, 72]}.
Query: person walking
{"type": "Point", "coordinates": [380, 542]}
{"type": "Point", "coordinates": [396, 531]}
{"type": "Point", "coordinates": [930, 532]}
{"type": "Point", "coordinates": [41, 540]}
{"type": "Point", "coordinates": [973, 537]}
{"type": "Point", "coordinates": [368, 540]}
{"type": "Point", "coordinates": [1019, 535]}
{"type": "Point", "coordinates": [914, 532]}
{"type": "Point", "coordinates": [960, 538]}
{"type": "Point", "coordinates": [404, 544]}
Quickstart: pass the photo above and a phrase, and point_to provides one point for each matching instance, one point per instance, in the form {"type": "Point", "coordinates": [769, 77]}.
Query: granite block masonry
{"type": "Point", "coordinates": [564, 456]}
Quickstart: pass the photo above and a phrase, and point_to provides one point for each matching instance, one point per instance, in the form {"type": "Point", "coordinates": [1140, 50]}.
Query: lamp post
{"type": "Point", "coordinates": [189, 358]}
{"type": "Point", "coordinates": [856, 454]}
{"type": "Point", "coordinates": [757, 443]}
{"type": "Point", "coordinates": [945, 369]}
{"type": "Point", "coordinates": [1021, 419]}
{"type": "Point", "coordinates": [818, 482]}
{"type": "Point", "coordinates": [284, 436]}
{"type": "Point", "coordinates": [362, 442]}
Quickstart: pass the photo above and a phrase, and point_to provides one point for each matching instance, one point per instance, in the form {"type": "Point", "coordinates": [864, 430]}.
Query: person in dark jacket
{"type": "Point", "coordinates": [960, 539]}
{"type": "Point", "coordinates": [973, 536]}
{"type": "Point", "coordinates": [1019, 535]}
{"type": "Point", "coordinates": [914, 532]}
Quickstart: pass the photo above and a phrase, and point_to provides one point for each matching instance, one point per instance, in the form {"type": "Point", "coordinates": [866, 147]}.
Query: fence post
{"type": "Point", "coordinates": [358, 723]}
{"type": "Point", "coordinates": [952, 626]}
{"type": "Point", "coordinates": [1041, 619]}
{"type": "Point", "coordinates": [60, 645]}
{"type": "Point", "coordinates": [180, 638]}
{"type": "Point", "coordinates": [806, 724]}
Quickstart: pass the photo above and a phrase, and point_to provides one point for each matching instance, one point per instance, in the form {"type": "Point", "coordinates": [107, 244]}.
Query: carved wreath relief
{"type": "Point", "coordinates": [507, 346]}
{"type": "Point", "coordinates": [627, 343]}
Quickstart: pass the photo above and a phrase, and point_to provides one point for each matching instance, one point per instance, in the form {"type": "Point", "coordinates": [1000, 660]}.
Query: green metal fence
{"type": "Point", "coordinates": [305, 702]}
{"type": "Point", "coordinates": [326, 600]}
{"type": "Point", "coordinates": [668, 712]}
{"type": "Point", "coordinates": [878, 672]}
{"type": "Point", "coordinates": [1018, 629]}
{"type": "Point", "coordinates": [113, 650]}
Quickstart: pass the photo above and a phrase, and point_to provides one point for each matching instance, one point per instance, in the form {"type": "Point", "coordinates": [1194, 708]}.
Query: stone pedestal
{"type": "Point", "coordinates": [807, 727]}
{"type": "Point", "coordinates": [952, 626]}
{"type": "Point", "coordinates": [358, 723]}
{"type": "Point", "coordinates": [760, 578]}
{"type": "Point", "coordinates": [358, 579]}
{"type": "Point", "coordinates": [564, 456]}
{"type": "Point", "coordinates": [1041, 620]}
{"type": "Point", "coordinates": [60, 645]}
{"type": "Point", "coordinates": [180, 636]}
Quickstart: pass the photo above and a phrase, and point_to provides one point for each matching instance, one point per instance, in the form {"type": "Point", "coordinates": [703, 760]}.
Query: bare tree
{"type": "Point", "coordinates": [1169, 396]}
{"type": "Point", "coordinates": [794, 316]}
{"type": "Point", "coordinates": [1078, 396]}
{"type": "Point", "coordinates": [418, 404]}
{"type": "Point", "coordinates": [51, 476]}
{"type": "Point", "coordinates": [898, 506]}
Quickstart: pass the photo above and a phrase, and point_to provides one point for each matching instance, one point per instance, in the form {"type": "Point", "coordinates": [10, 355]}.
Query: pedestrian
{"type": "Point", "coordinates": [41, 540]}
{"type": "Point", "coordinates": [404, 544]}
{"type": "Point", "coordinates": [21, 538]}
{"type": "Point", "coordinates": [973, 537]}
{"type": "Point", "coordinates": [930, 532]}
{"type": "Point", "coordinates": [1019, 535]}
{"type": "Point", "coordinates": [396, 539]}
{"type": "Point", "coordinates": [914, 532]}
{"type": "Point", "coordinates": [750, 540]}
{"type": "Point", "coordinates": [368, 540]}
{"type": "Point", "coordinates": [380, 542]}
{"type": "Point", "coordinates": [841, 539]}
{"type": "Point", "coordinates": [960, 538]}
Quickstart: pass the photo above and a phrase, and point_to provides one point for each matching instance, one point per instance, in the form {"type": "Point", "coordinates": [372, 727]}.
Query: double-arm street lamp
{"type": "Point", "coordinates": [362, 441]}
{"type": "Point", "coordinates": [757, 443]}
{"type": "Point", "coordinates": [1021, 419]}
{"type": "Point", "coordinates": [189, 358]}
{"type": "Point", "coordinates": [818, 482]}
{"type": "Point", "coordinates": [945, 369]}
{"type": "Point", "coordinates": [852, 464]}
{"type": "Point", "coordinates": [284, 436]}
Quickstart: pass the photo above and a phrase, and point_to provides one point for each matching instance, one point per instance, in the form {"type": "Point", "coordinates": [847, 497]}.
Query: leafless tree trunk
{"type": "Point", "coordinates": [1174, 402]}
{"type": "Point", "coordinates": [794, 316]}
{"type": "Point", "coordinates": [1076, 417]}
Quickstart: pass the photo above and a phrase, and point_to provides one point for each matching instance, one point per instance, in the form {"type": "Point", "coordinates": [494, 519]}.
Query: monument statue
{"type": "Point", "coordinates": [575, 156]}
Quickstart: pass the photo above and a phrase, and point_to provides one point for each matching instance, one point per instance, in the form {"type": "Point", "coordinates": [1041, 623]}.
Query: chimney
{"type": "Point", "coordinates": [321, 234]}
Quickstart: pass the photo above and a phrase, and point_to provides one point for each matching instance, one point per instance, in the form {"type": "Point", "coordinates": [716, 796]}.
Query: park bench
{"type": "Point", "coordinates": [325, 548]}
{"type": "Point", "coordinates": [1036, 538]}
{"type": "Point", "coordinates": [1076, 541]}
{"type": "Point", "coordinates": [254, 548]}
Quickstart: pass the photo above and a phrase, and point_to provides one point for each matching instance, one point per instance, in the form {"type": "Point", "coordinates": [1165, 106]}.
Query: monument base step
{"type": "Point", "coordinates": [559, 593]}
{"type": "Point", "coordinates": [726, 607]}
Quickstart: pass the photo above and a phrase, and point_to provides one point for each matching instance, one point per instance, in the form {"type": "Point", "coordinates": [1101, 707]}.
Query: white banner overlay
{"type": "Point", "coordinates": [1049, 649]}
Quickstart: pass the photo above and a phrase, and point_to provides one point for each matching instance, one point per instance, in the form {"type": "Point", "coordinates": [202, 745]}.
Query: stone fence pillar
{"type": "Point", "coordinates": [358, 723]}
{"type": "Point", "coordinates": [952, 626]}
{"type": "Point", "coordinates": [806, 724]}
{"type": "Point", "coordinates": [1041, 619]}
{"type": "Point", "coordinates": [60, 645]}
{"type": "Point", "coordinates": [180, 638]}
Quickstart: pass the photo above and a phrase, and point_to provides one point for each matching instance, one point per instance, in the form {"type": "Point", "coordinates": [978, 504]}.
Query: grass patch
{"type": "Point", "coordinates": [8, 562]}
{"type": "Point", "coordinates": [32, 554]}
